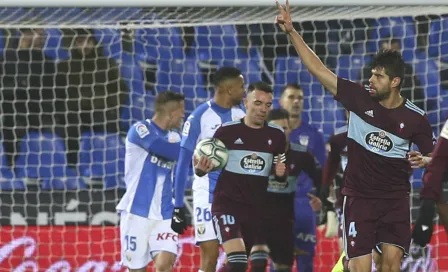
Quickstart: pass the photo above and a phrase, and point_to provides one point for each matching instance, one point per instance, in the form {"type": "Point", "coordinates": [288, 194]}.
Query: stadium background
{"type": "Point", "coordinates": [52, 216]}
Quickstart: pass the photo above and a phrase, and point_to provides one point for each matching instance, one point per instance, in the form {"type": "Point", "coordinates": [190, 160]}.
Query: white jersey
{"type": "Point", "coordinates": [344, 158]}
{"type": "Point", "coordinates": [148, 171]}
{"type": "Point", "coordinates": [202, 124]}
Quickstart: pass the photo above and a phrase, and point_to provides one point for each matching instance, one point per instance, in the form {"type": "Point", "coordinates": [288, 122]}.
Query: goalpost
{"type": "Point", "coordinates": [56, 216]}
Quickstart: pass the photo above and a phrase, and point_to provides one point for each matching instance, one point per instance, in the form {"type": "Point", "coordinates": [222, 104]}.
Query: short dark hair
{"type": "Point", "coordinates": [225, 73]}
{"type": "Point", "coordinates": [261, 86]}
{"type": "Point", "coordinates": [165, 97]}
{"type": "Point", "coordinates": [392, 63]}
{"type": "Point", "coordinates": [291, 85]}
{"type": "Point", "coordinates": [278, 114]}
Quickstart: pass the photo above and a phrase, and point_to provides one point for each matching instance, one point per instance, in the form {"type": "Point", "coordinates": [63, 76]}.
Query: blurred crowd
{"type": "Point", "coordinates": [81, 93]}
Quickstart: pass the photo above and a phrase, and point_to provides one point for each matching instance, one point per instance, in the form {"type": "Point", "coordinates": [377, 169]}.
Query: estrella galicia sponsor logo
{"type": "Point", "coordinates": [379, 141]}
{"type": "Point", "coordinates": [253, 163]}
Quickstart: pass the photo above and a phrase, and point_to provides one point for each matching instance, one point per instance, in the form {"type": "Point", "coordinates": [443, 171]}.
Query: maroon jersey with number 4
{"type": "Point", "coordinates": [378, 142]}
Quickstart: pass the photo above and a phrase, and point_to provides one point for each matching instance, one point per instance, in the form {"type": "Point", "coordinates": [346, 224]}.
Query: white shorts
{"type": "Point", "coordinates": [203, 224]}
{"type": "Point", "coordinates": [142, 239]}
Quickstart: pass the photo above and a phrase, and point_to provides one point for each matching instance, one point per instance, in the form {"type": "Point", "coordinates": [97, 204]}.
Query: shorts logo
{"type": "Point", "coordinates": [200, 229]}
{"type": "Point", "coordinates": [142, 130]}
{"type": "Point", "coordinates": [128, 256]}
{"type": "Point", "coordinates": [252, 163]}
{"type": "Point", "coordinates": [379, 141]}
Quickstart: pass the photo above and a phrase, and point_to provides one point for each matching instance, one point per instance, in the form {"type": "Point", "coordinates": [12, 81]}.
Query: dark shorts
{"type": "Point", "coordinates": [279, 235]}
{"type": "Point", "coordinates": [233, 226]}
{"type": "Point", "coordinates": [368, 223]}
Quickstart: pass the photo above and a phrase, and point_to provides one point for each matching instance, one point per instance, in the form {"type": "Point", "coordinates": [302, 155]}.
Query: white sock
{"type": "Point", "coordinates": [201, 270]}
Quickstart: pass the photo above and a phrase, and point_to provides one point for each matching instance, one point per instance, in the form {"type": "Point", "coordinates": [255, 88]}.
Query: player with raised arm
{"type": "Point", "coordinates": [239, 197]}
{"type": "Point", "coordinates": [382, 127]}
{"type": "Point", "coordinates": [202, 123]}
{"type": "Point", "coordinates": [292, 99]}
{"type": "Point", "coordinates": [436, 173]}
{"type": "Point", "coordinates": [146, 207]}
{"type": "Point", "coordinates": [279, 222]}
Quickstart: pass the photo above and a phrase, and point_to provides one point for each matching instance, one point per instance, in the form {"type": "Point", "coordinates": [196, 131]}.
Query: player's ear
{"type": "Point", "coordinates": [396, 82]}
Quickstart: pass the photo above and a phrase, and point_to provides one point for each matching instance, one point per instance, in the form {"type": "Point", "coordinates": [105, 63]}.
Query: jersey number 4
{"type": "Point", "coordinates": [352, 230]}
{"type": "Point", "coordinates": [203, 215]}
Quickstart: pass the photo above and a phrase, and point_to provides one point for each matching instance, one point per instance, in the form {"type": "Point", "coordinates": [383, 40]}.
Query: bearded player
{"type": "Point", "coordinates": [279, 222]}
{"type": "Point", "coordinates": [382, 127]}
{"type": "Point", "coordinates": [202, 123]}
{"type": "Point", "coordinates": [255, 149]}
{"type": "Point", "coordinates": [436, 173]}
{"type": "Point", "coordinates": [146, 207]}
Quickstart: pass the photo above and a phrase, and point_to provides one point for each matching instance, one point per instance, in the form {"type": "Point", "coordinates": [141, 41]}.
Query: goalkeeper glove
{"type": "Point", "coordinates": [178, 223]}
{"type": "Point", "coordinates": [423, 228]}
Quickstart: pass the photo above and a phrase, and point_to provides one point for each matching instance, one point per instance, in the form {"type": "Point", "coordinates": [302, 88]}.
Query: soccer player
{"type": "Point", "coordinates": [238, 207]}
{"type": "Point", "coordinates": [337, 159]}
{"type": "Point", "coordinates": [435, 174]}
{"type": "Point", "coordinates": [226, 106]}
{"type": "Point", "coordinates": [146, 207]}
{"type": "Point", "coordinates": [291, 99]}
{"type": "Point", "coordinates": [381, 128]}
{"type": "Point", "coordinates": [279, 222]}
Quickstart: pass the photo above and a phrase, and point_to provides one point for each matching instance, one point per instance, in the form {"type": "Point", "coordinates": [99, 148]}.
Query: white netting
{"type": "Point", "coordinates": [70, 118]}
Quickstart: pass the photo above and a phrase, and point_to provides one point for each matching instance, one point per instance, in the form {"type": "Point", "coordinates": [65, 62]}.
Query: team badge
{"type": "Point", "coordinates": [304, 140]}
{"type": "Point", "coordinates": [142, 130]}
{"type": "Point", "coordinates": [200, 229]}
{"type": "Point", "coordinates": [186, 129]}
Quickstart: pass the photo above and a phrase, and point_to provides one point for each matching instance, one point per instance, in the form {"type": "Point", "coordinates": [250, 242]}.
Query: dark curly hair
{"type": "Point", "coordinates": [392, 63]}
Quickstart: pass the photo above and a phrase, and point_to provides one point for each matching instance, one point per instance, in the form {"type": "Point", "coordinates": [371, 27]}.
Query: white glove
{"type": "Point", "coordinates": [332, 225]}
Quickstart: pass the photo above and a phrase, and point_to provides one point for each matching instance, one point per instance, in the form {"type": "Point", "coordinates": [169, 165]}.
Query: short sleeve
{"type": "Point", "coordinates": [190, 132]}
{"type": "Point", "coordinates": [353, 96]}
{"type": "Point", "coordinates": [424, 137]}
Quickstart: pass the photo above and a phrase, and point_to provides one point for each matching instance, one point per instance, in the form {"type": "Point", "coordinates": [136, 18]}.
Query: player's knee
{"type": "Point", "coordinates": [258, 260]}
{"type": "Point", "coordinates": [164, 261]}
{"type": "Point", "coordinates": [164, 266]}
{"type": "Point", "coordinates": [209, 255]}
{"type": "Point", "coordinates": [236, 262]}
{"type": "Point", "coordinates": [390, 265]}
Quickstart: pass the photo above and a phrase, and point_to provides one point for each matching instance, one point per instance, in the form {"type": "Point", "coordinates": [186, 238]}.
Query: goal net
{"type": "Point", "coordinates": [74, 79]}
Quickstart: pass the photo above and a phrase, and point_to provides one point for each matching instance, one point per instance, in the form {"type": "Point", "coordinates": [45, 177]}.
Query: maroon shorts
{"type": "Point", "coordinates": [232, 226]}
{"type": "Point", "coordinates": [368, 223]}
{"type": "Point", "coordinates": [279, 235]}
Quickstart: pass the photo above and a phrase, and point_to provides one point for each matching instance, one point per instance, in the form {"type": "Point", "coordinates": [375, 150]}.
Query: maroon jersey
{"type": "Point", "coordinates": [242, 184]}
{"type": "Point", "coordinates": [280, 197]}
{"type": "Point", "coordinates": [378, 142]}
{"type": "Point", "coordinates": [437, 168]}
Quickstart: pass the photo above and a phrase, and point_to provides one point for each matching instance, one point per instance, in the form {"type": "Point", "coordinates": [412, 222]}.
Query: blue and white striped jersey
{"type": "Point", "coordinates": [150, 157]}
{"type": "Point", "coordinates": [201, 124]}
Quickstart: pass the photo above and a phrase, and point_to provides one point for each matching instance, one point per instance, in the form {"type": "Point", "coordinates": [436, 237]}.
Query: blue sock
{"type": "Point", "coordinates": [305, 263]}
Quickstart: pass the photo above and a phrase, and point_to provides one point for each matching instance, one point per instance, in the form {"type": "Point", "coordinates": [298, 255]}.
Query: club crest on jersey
{"type": "Point", "coordinates": [304, 139]}
{"type": "Point", "coordinates": [379, 141]}
{"type": "Point", "coordinates": [186, 129]}
{"type": "Point", "coordinates": [142, 130]}
{"type": "Point", "coordinates": [253, 163]}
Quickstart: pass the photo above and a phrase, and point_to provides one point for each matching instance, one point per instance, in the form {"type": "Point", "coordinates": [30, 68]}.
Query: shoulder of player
{"type": "Point", "coordinates": [199, 111]}
{"type": "Point", "coordinates": [231, 123]}
{"type": "Point", "coordinates": [340, 130]}
{"type": "Point", "coordinates": [275, 127]}
{"type": "Point", "coordinates": [297, 147]}
{"type": "Point", "coordinates": [140, 129]}
{"type": "Point", "coordinates": [413, 108]}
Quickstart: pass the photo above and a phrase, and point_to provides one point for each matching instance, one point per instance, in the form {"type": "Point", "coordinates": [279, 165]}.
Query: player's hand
{"type": "Point", "coordinates": [178, 223]}
{"type": "Point", "coordinates": [417, 160]}
{"type": "Point", "coordinates": [422, 232]}
{"type": "Point", "coordinates": [203, 166]}
{"type": "Point", "coordinates": [332, 225]}
{"type": "Point", "coordinates": [280, 169]}
{"type": "Point", "coordinates": [315, 202]}
{"type": "Point", "coordinates": [284, 19]}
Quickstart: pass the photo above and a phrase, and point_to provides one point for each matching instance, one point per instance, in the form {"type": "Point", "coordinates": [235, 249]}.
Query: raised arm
{"type": "Point", "coordinates": [328, 79]}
